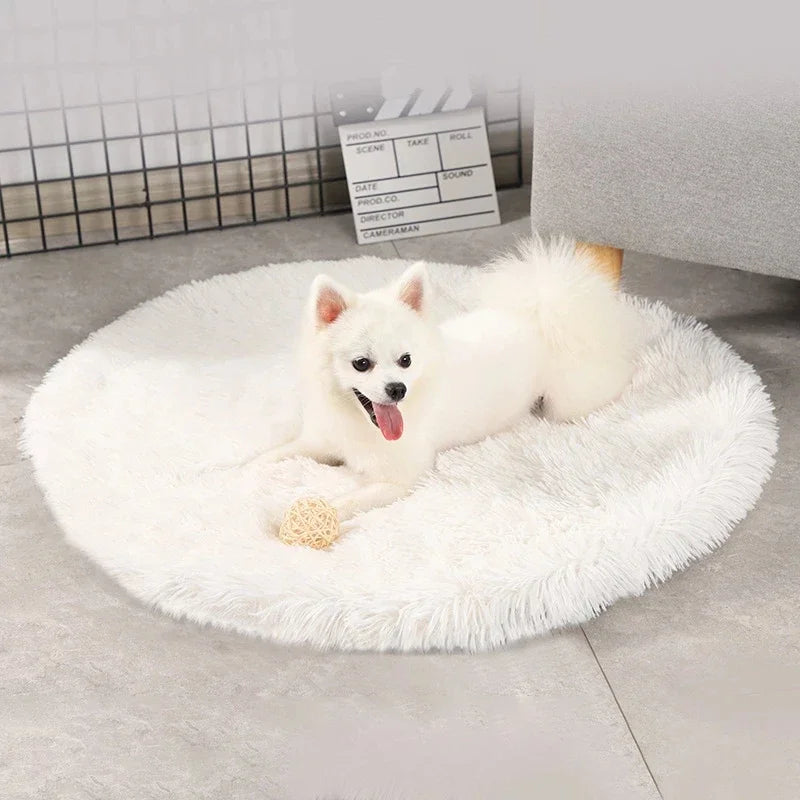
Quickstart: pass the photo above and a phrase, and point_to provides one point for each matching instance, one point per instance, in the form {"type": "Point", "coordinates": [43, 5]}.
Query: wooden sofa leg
{"type": "Point", "coordinates": [608, 259]}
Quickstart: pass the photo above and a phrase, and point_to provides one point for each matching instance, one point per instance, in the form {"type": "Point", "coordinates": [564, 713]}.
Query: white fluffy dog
{"type": "Point", "coordinates": [384, 389]}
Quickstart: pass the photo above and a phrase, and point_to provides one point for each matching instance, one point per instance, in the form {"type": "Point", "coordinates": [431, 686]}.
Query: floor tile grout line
{"type": "Point", "coordinates": [624, 717]}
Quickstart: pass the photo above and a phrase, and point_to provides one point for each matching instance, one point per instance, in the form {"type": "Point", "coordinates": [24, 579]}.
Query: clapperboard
{"type": "Point", "coordinates": [417, 161]}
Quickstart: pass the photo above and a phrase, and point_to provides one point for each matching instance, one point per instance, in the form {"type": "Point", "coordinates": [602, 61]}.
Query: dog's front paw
{"type": "Point", "coordinates": [345, 506]}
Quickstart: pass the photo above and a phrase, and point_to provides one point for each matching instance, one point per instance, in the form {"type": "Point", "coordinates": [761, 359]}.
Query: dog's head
{"type": "Point", "coordinates": [378, 343]}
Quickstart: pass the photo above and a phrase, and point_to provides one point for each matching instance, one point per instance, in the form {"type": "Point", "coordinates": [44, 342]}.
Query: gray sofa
{"type": "Point", "coordinates": [712, 179]}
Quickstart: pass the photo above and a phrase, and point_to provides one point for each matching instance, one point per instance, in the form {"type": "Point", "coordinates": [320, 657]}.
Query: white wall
{"type": "Point", "coordinates": [98, 58]}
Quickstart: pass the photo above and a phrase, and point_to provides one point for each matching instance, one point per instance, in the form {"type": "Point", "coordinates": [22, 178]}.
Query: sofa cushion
{"type": "Point", "coordinates": [698, 178]}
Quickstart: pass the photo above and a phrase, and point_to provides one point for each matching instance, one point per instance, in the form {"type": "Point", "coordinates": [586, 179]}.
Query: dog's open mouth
{"type": "Point", "coordinates": [387, 418]}
{"type": "Point", "coordinates": [367, 404]}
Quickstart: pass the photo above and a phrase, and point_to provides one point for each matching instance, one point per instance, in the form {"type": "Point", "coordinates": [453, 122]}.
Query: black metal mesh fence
{"type": "Point", "coordinates": [96, 146]}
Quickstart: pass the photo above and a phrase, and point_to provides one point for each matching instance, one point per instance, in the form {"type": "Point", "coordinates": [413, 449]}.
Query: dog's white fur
{"type": "Point", "coordinates": [548, 324]}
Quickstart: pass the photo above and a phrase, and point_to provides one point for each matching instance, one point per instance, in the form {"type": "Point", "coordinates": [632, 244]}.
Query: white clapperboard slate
{"type": "Point", "coordinates": [411, 172]}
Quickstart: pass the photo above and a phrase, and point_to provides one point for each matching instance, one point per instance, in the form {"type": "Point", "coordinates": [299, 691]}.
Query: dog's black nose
{"type": "Point", "coordinates": [396, 391]}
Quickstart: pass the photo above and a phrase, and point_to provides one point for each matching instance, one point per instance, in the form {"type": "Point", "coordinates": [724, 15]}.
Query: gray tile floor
{"type": "Point", "coordinates": [692, 691]}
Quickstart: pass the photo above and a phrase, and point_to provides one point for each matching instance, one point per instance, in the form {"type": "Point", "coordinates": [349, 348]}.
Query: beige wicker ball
{"type": "Point", "coordinates": [310, 521]}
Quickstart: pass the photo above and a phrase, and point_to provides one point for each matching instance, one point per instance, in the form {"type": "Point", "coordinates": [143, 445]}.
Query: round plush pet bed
{"type": "Point", "coordinates": [145, 441]}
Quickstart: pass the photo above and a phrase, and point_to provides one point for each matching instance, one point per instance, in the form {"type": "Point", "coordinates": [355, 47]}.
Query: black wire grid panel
{"type": "Point", "coordinates": [182, 176]}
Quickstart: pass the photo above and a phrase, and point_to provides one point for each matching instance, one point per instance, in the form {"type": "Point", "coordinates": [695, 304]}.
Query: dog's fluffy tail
{"type": "Point", "coordinates": [589, 334]}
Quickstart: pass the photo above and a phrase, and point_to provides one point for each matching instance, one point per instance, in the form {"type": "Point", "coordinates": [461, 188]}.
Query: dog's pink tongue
{"type": "Point", "coordinates": [389, 420]}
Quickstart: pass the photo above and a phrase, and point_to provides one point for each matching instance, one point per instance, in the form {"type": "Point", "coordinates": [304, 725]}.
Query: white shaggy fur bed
{"type": "Point", "coordinates": [142, 440]}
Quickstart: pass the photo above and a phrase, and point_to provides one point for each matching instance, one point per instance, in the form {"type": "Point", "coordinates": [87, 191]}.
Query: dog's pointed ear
{"type": "Point", "coordinates": [328, 300]}
{"type": "Point", "coordinates": [413, 287]}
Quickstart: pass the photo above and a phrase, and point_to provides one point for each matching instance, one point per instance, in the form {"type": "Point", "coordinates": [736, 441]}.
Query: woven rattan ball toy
{"type": "Point", "coordinates": [310, 521]}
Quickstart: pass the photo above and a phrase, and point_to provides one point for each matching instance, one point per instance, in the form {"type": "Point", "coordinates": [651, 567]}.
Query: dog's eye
{"type": "Point", "coordinates": [361, 364]}
{"type": "Point", "coordinates": [404, 361]}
